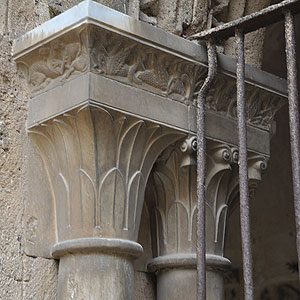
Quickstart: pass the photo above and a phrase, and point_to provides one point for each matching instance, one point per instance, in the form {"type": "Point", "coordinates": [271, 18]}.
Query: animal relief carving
{"type": "Point", "coordinates": [55, 61]}
{"type": "Point", "coordinates": [261, 106]}
{"type": "Point", "coordinates": [143, 66]}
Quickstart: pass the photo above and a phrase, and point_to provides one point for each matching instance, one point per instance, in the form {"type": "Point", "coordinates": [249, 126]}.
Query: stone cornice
{"type": "Point", "coordinates": [89, 12]}
{"type": "Point", "coordinates": [93, 39]}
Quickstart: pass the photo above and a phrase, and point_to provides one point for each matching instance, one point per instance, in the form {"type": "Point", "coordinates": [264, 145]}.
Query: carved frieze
{"type": "Point", "coordinates": [98, 162]}
{"type": "Point", "coordinates": [56, 61]}
{"type": "Point", "coordinates": [261, 106]}
{"type": "Point", "coordinates": [103, 52]}
{"type": "Point", "coordinates": [144, 67]}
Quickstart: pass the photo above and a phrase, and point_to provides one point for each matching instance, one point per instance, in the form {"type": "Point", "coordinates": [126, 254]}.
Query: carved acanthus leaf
{"type": "Point", "coordinates": [172, 201]}
{"type": "Point", "coordinates": [171, 196]}
{"type": "Point", "coordinates": [219, 185]}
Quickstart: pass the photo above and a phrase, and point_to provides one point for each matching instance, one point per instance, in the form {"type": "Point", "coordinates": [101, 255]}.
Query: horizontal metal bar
{"type": "Point", "coordinates": [252, 22]}
{"type": "Point", "coordinates": [293, 116]}
{"type": "Point", "coordinates": [243, 167]}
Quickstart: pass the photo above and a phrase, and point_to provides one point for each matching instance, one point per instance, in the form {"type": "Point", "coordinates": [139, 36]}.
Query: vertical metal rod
{"type": "Point", "coordinates": [201, 163]}
{"type": "Point", "coordinates": [293, 116]}
{"type": "Point", "coordinates": [243, 167]}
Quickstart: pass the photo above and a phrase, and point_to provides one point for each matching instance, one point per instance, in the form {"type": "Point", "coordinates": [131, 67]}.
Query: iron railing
{"type": "Point", "coordinates": [284, 10]}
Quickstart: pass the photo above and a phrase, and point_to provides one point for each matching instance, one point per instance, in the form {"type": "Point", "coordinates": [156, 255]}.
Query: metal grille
{"type": "Point", "coordinates": [285, 10]}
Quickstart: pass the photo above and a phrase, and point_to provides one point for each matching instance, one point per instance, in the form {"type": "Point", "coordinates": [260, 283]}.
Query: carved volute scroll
{"type": "Point", "coordinates": [98, 162]}
{"type": "Point", "coordinates": [222, 189]}
{"type": "Point", "coordinates": [171, 200]}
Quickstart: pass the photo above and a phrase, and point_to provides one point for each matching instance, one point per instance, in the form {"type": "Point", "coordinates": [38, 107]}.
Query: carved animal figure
{"type": "Point", "coordinates": [75, 56]}
{"type": "Point", "coordinates": [114, 62]}
{"type": "Point", "coordinates": [41, 72]}
{"type": "Point", "coordinates": [180, 86]}
{"type": "Point", "coordinates": [156, 74]}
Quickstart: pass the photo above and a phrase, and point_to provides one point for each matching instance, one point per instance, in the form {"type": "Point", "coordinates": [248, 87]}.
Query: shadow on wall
{"type": "Point", "coordinates": [273, 229]}
{"type": "Point", "coordinates": [272, 208]}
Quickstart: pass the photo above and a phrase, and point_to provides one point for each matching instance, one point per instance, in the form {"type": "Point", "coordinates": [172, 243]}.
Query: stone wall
{"type": "Point", "coordinates": [21, 277]}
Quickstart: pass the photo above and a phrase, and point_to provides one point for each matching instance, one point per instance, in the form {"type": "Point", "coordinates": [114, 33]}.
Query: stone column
{"type": "Point", "coordinates": [172, 200]}
{"type": "Point", "coordinates": [98, 162]}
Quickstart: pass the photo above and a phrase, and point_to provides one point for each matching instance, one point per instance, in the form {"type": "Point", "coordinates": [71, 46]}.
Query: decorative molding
{"type": "Point", "coordinates": [98, 162]}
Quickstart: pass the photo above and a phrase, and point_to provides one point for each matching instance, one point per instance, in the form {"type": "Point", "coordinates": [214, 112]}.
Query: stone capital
{"type": "Point", "coordinates": [171, 200]}
{"type": "Point", "coordinates": [98, 162]}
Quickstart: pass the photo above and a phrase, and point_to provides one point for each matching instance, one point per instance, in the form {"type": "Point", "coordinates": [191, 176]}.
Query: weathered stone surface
{"type": "Point", "coordinates": [254, 42]}
{"type": "Point", "coordinates": [144, 284]}
{"type": "Point", "coordinates": [21, 277]}
{"type": "Point", "coordinates": [40, 279]}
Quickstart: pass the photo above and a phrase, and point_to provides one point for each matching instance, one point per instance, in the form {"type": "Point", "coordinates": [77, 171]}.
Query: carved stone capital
{"type": "Point", "coordinates": [172, 202]}
{"type": "Point", "coordinates": [98, 162]}
{"type": "Point", "coordinates": [122, 49]}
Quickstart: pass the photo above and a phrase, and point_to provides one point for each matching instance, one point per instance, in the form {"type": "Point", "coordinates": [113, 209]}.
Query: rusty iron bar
{"type": "Point", "coordinates": [243, 167]}
{"type": "Point", "coordinates": [249, 23]}
{"type": "Point", "coordinates": [201, 170]}
{"type": "Point", "coordinates": [293, 116]}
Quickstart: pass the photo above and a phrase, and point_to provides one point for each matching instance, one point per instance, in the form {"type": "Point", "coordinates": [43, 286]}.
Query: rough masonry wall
{"type": "Point", "coordinates": [21, 277]}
